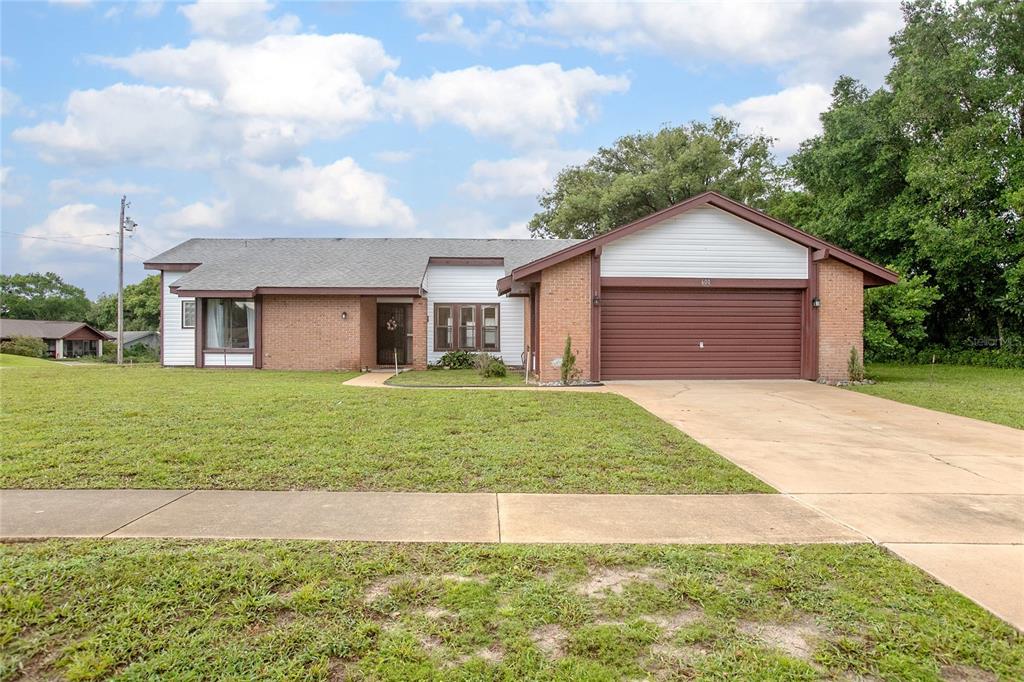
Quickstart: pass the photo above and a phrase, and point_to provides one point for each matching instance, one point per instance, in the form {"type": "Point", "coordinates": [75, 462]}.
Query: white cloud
{"type": "Point", "coordinates": [341, 193]}
{"type": "Point", "coordinates": [11, 105]}
{"type": "Point", "coordinates": [136, 124]}
{"type": "Point", "coordinates": [528, 104]}
{"type": "Point", "coordinates": [73, 4]}
{"type": "Point", "coordinates": [790, 115]}
{"type": "Point", "coordinates": [311, 79]}
{"type": "Point", "coordinates": [147, 9]}
{"type": "Point", "coordinates": [73, 227]}
{"type": "Point", "coordinates": [197, 216]}
{"type": "Point", "coordinates": [394, 155]}
{"type": "Point", "coordinates": [7, 196]}
{"type": "Point", "coordinates": [525, 176]}
{"type": "Point", "coordinates": [237, 20]}
{"type": "Point", "coordinates": [452, 29]}
{"type": "Point", "coordinates": [63, 188]}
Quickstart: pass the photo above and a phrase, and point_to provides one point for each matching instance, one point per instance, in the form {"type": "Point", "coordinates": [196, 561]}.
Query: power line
{"type": "Point", "coordinates": [62, 241]}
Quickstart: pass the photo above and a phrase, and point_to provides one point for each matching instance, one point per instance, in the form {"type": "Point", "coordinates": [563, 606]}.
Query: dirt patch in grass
{"type": "Point", "coordinates": [550, 639]}
{"type": "Point", "coordinates": [796, 639]}
{"type": "Point", "coordinates": [380, 588]}
{"type": "Point", "coordinates": [965, 673]}
{"type": "Point", "coordinates": [671, 622]}
{"type": "Point", "coordinates": [614, 580]}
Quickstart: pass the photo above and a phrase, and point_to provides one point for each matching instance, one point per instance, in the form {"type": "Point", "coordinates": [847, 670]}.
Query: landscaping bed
{"type": "Point", "coordinates": [148, 427]}
{"type": "Point", "coordinates": [455, 377]}
{"type": "Point", "coordinates": [987, 393]}
{"type": "Point", "coordinates": [309, 610]}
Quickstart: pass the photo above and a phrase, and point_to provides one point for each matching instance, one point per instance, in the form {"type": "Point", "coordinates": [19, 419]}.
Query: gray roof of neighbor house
{"type": "Point", "coordinates": [130, 337]}
{"type": "Point", "coordinates": [245, 264]}
{"type": "Point", "coordinates": [40, 329]}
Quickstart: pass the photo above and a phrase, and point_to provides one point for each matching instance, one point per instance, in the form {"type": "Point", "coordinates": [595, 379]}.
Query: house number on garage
{"type": "Point", "coordinates": [705, 282]}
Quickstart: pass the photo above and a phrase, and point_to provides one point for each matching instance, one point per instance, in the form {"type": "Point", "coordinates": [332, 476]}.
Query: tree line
{"type": "Point", "coordinates": [924, 175]}
{"type": "Point", "coordinates": [45, 296]}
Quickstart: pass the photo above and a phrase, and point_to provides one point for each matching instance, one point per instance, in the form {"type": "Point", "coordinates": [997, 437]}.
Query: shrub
{"type": "Point", "coordinates": [854, 367]}
{"type": "Point", "coordinates": [490, 366]}
{"type": "Point", "coordinates": [457, 359]}
{"type": "Point", "coordinates": [1004, 359]}
{"type": "Point", "coordinates": [894, 318]}
{"type": "Point", "coordinates": [24, 345]}
{"type": "Point", "coordinates": [569, 373]}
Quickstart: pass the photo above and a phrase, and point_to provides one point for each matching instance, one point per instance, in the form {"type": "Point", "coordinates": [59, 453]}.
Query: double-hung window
{"type": "Point", "coordinates": [467, 326]}
{"type": "Point", "coordinates": [188, 314]}
{"type": "Point", "coordinates": [230, 323]}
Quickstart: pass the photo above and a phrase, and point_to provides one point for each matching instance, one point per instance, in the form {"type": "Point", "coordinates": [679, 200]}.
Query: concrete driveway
{"type": "Point", "coordinates": [944, 492]}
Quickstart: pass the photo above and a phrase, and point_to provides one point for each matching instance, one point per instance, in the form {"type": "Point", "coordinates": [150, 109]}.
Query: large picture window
{"type": "Point", "coordinates": [467, 326]}
{"type": "Point", "coordinates": [230, 323]}
{"type": "Point", "coordinates": [188, 314]}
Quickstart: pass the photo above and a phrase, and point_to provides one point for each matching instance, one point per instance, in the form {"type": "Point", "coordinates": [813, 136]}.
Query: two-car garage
{"type": "Point", "coordinates": [700, 333]}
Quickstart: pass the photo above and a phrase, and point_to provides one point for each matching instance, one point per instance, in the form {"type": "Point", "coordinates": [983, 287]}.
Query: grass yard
{"type": "Point", "coordinates": [319, 611]}
{"type": "Point", "coordinates": [454, 377]}
{"type": "Point", "coordinates": [22, 361]}
{"type": "Point", "coordinates": [147, 427]}
{"type": "Point", "coordinates": [988, 393]}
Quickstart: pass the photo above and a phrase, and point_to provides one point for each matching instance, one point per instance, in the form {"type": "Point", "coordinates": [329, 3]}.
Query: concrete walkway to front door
{"type": "Point", "coordinates": [944, 492]}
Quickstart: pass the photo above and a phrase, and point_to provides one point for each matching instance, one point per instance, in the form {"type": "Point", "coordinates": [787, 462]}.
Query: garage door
{"type": "Point", "coordinates": [700, 333]}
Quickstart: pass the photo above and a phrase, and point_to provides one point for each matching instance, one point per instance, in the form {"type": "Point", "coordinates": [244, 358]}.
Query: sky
{"type": "Point", "coordinates": [316, 119]}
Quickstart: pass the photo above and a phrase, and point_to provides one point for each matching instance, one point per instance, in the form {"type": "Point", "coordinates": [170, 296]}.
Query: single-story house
{"type": "Point", "coordinates": [149, 339]}
{"type": "Point", "coordinates": [708, 288]}
{"type": "Point", "coordinates": [63, 339]}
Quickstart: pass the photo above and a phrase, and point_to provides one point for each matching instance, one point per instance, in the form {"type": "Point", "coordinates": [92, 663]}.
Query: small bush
{"type": "Point", "coordinates": [490, 366]}
{"type": "Point", "coordinates": [457, 359]}
{"type": "Point", "coordinates": [24, 345]}
{"type": "Point", "coordinates": [569, 373]}
{"type": "Point", "coordinates": [854, 367]}
{"type": "Point", "coordinates": [993, 357]}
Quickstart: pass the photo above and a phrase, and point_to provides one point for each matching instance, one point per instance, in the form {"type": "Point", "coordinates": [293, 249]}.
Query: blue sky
{"type": "Point", "coordinates": [371, 119]}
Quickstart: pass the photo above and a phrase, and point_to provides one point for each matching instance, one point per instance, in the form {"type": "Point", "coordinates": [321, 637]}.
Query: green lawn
{"type": "Point", "coordinates": [988, 393]}
{"type": "Point", "coordinates": [22, 361]}
{"type": "Point", "coordinates": [455, 377]}
{"type": "Point", "coordinates": [317, 611]}
{"type": "Point", "coordinates": [148, 427]}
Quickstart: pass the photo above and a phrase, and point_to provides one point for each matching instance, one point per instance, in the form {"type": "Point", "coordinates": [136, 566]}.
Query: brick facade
{"type": "Point", "coordinates": [419, 333]}
{"type": "Point", "coordinates": [565, 308]}
{"type": "Point", "coordinates": [840, 318]}
{"type": "Point", "coordinates": [308, 332]}
{"type": "Point", "coordinates": [368, 332]}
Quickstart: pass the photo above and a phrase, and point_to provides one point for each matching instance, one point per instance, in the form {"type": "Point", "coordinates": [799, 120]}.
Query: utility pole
{"type": "Point", "coordinates": [125, 223]}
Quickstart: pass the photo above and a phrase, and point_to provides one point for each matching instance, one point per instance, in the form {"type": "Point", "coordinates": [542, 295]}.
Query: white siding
{"type": "Point", "coordinates": [227, 359]}
{"type": "Point", "coordinates": [179, 344]}
{"type": "Point", "coordinates": [705, 242]}
{"type": "Point", "coordinates": [475, 284]}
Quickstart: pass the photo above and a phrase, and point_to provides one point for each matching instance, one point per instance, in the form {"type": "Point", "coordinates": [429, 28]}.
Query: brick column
{"type": "Point", "coordinates": [368, 331]}
{"type": "Point", "coordinates": [565, 306]}
{"type": "Point", "coordinates": [840, 318]}
{"type": "Point", "coordinates": [419, 333]}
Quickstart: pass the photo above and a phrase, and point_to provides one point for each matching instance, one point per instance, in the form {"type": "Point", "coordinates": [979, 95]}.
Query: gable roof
{"type": "Point", "coordinates": [130, 337]}
{"type": "Point", "coordinates": [44, 329]}
{"type": "Point", "coordinates": [241, 266]}
{"type": "Point", "coordinates": [822, 249]}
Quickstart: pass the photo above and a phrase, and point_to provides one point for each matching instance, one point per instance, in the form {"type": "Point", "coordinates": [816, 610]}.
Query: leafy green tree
{"type": "Point", "coordinates": [141, 307]}
{"type": "Point", "coordinates": [894, 318]}
{"type": "Point", "coordinates": [646, 172]}
{"type": "Point", "coordinates": [38, 296]}
{"type": "Point", "coordinates": [926, 174]}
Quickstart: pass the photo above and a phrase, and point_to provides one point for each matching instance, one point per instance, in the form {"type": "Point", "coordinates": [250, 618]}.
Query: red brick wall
{"type": "Point", "coordinates": [307, 332]}
{"type": "Point", "coordinates": [840, 318]}
{"type": "Point", "coordinates": [419, 333]}
{"type": "Point", "coordinates": [368, 332]}
{"type": "Point", "coordinates": [565, 305]}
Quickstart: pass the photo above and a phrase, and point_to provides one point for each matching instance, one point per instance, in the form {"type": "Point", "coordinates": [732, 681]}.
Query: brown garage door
{"type": "Point", "coordinates": [657, 333]}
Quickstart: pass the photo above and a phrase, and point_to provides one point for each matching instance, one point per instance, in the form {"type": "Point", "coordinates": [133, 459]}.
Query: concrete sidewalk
{"type": "Point", "coordinates": [415, 517]}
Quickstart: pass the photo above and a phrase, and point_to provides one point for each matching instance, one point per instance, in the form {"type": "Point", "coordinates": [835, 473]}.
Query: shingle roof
{"type": "Point", "coordinates": [129, 337]}
{"type": "Point", "coordinates": [244, 264]}
{"type": "Point", "coordinates": [41, 329]}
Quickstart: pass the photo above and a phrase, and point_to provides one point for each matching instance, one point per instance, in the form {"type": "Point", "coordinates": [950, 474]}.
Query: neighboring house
{"type": "Point", "coordinates": [63, 339]}
{"type": "Point", "coordinates": [148, 339]}
{"type": "Point", "coordinates": [708, 288]}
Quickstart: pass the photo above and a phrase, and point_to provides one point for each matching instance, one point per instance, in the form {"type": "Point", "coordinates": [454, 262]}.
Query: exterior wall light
{"type": "Point", "coordinates": [344, 314]}
{"type": "Point", "coordinates": [815, 302]}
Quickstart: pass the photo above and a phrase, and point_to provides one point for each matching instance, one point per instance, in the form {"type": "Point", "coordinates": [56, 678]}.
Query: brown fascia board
{"type": "Point", "coordinates": [299, 291]}
{"type": "Point", "coordinates": [171, 267]}
{"type": "Point", "coordinates": [467, 260]}
{"type": "Point", "coordinates": [729, 206]}
{"type": "Point", "coordinates": [91, 328]}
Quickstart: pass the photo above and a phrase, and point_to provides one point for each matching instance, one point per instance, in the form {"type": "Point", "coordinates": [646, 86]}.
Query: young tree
{"type": "Point", "coordinates": [38, 296]}
{"type": "Point", "coordinates": [646, 172]}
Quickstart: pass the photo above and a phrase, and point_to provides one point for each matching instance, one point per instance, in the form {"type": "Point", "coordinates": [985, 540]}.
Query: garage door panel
{"type": "Point", "coordinates": [656, 333]}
